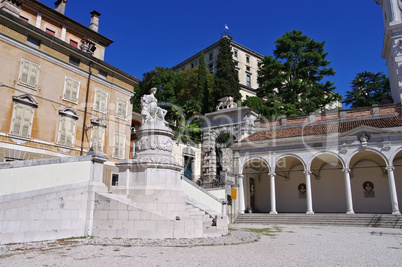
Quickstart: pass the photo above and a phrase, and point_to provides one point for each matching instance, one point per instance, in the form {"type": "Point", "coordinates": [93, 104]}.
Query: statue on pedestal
{"type": "Point", "coordinates": [149, 108]}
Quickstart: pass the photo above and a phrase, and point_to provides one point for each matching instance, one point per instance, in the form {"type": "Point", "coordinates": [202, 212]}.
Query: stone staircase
{"type": "Point", "coordinates": [208, 224]}
{"type": "Point", "coordinates": [359, 220]}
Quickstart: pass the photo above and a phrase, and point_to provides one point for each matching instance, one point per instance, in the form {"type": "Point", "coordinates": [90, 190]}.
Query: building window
{"type": "Point", "coordinates": [66, 132]}
{"type": "Point", "coordinates": [211, 68]}
{"type": "Point", "coordinates": [121, 108]}
{"type": "Point", "coordinates": [22, 121]}
{"type": "Point", "coordinates": [24, 19]}
{"type": "Point", "coordinates": [98, 135]}
{"type": "Point", "coordinates": [51, 32]}
{"type": "Point", "coordinates": [73, 43]}
{"type": "Point", "coordinates": [71, 89]}
{"type": "Point", "coordinates": [74, 61]}
{"type": "Point", "coordinates": [248, 59]}
{"type": "Point", "coordinates": [33, 42]}
{"type": "Point", "coordinates": [100, 101]}
{"type": "Point", "coordinates": [102, 74]}
{"type": "Point", "coordinates": [29, 73]}
{"type": "Point", "coordinates": [119, 145]}
{"type": "Point", "coordinates": [248, 68]}
{"type": "Point", "coordinates": [236, 63]}
{"type": "Point", "coordinates": [115, 179]}
{"type": "Point", "coordinates": [67, 126]}
{"type": "Point", "coordinates": [248, 80]}
{"type": "Point", "coordinates": [211, 56]}
{"type": "Point", "coordinates": [235, 53]}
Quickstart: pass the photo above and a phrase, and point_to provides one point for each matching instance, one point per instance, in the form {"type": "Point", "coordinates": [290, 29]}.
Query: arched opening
{"type": "Point", "coordinates": [290, 185]}
{"type": "Point", "coordinates": [369, 182]}
{"type": "Point", "coordinates": [224, 162]}
{"type": "Point", "coordinates": [328, 184]}
{"type": "Point", "coordinates": [397, 163]}
{"type": "Point", "coordinates": [256, 185]}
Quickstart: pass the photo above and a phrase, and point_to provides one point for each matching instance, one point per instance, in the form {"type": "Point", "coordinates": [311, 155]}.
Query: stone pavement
{"type": "Point", "coordinates": [247, 245]}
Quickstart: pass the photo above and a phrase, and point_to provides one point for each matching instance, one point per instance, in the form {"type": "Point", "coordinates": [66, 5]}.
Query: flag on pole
{"type": "Point", "coordinates": [226, 26]}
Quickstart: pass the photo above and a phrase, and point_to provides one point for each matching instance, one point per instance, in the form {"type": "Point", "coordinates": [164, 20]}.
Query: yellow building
{"type": "Point", "coordinates": [58, 96]}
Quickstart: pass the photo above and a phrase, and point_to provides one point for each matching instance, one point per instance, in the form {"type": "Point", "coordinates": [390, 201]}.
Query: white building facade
{"type": "Point", "coordinates": [246, 61]}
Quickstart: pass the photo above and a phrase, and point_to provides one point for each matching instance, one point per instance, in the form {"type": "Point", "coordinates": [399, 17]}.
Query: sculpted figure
{"type": "Point", "coordinates": [149, 108]}
{"type": "Point", "coordinates": [226, 102]}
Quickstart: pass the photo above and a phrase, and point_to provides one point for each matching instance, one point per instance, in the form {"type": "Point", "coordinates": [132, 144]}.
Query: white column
{"type": "Point", "coordinates": [308, 193]}
{"type": "Point", "coordinates": [392, 191]}
{"type": "Point", "coordinates": [241, 194]}
{"type": "Point", "coordinates": [63, 33]}
{"type": "Point", "coordinates": [38, 20]}
{"type": "Point", "coordinates": [348, 188]}
{"type": "Point", "coordinates": [273, 193]}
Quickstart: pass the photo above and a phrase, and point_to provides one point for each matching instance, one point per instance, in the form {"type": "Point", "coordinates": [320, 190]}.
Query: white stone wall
{"type": "Point", "coordinates": [45, 199]}
{"type": "Point", "coordinates": [25, 176]}
{"type": "Point", "coordinates": [47, 214]}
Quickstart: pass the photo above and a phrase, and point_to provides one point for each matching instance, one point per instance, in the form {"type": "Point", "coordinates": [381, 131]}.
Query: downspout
{"type": "Point", "coordinates": [86, 108]}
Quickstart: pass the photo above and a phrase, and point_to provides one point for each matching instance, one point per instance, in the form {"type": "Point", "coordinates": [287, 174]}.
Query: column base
{"type": "Point", "coordinates": [396, 212]}
{"type": "Point", "coordinates": [273, 212]}
{"type": "Point", "coordinates": [350, 212]}
{"type": "Point", "coordinates": [310, 212]}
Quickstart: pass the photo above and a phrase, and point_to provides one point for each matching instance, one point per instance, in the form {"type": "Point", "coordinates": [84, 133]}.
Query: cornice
{"type": "Point", "coordinates": [68, 22]}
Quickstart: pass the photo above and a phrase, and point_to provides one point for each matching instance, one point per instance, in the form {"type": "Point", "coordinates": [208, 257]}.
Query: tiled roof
{"type": "Point", "coordinates": [340, 127]}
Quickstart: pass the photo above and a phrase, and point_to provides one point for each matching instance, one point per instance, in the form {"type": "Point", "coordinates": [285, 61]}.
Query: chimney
{"type": "Point", "coordinates": [94, 21]}
{"type": "Point", "coordinates": [60, 6]}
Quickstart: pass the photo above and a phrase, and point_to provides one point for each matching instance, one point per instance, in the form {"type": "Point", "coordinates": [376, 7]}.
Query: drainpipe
{"type": "Point", "coordinates": [86, 108]}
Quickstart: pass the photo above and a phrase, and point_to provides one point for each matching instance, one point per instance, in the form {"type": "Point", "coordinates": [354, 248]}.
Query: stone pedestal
{"type": "Point", "coordinates": [153, 178]}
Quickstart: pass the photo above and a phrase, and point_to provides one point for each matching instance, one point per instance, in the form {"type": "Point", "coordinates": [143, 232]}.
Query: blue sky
{"type": "Point", "coordinates": [163, 33]}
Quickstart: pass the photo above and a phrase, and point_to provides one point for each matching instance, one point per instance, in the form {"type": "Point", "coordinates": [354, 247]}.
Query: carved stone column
{"type": "Point", "coordinates": [348, 188]}
{"type": "Point", "coordinates": [308, 193]}
{"type": "Point", "coordinates": [242, 206]}
{"type": "Point", "coordinates": [273, 193]}
{"type": "Point", "coordinates": [392, 191]}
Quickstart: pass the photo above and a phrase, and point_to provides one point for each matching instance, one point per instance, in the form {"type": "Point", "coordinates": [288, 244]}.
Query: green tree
{"type": "Point", "coordinates": [164, 79]}
{"type": "Point", "coordinates": [202, 85]}
{"type": "Point", "coordinates": [257, 104]}
{"type": "Point", "coordinates": [291, 81]}
{"type": "Point", "coordinates": [368, 89]}
{"type": "Point", "coordinates": [226, 77]}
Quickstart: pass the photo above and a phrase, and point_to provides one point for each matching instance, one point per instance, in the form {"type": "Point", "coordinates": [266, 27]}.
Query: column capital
{"type": "Point", "coordinates": [346, 170]}
{"type": "Point", "coordinates": [390, 168]}
{"type": "Point", "coordinates": [241, 176]}
{"type": "Point", "coordinates": [307, 172]}
{"type": "Point", "coordinates": [272, 174]}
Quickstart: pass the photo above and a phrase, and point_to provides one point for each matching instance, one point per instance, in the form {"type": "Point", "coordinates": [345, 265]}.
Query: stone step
{"type": "Point", "coordinates": [210, 232]}
{"type": "Point", "coordinates": [363, 220]}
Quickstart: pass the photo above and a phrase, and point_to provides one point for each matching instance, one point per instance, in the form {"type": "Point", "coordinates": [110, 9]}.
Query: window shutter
{"type": "Point", "coordinates": [26, 121]}
{"type": "Point", "coordinates": [24, 72]}
{"type": "Point", "coordinates": [116, 146]}
{"type": "Point", "coordinates": [103, 102]}
{"type": "Point", "coordinates": [97, 100]}
{"type": "Point", "coordinates": [122, 107]}
{"type": "Point", "coordinates": [69, 132]}
{"type": "Point", "coordinates": [62, 131]}
{"type": "Point", "coordinates": [121, 146]}
{"type": "Point", "coordinates": [67, 94]}
{"type": "Point", "coordinates": [17, 120]}
{"type": "Point", "coordinates": [74, 90]}
{"type": "Point", "coordinates": [33, 74]}
{"type": "Point", "coordinates": [97, 138]}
